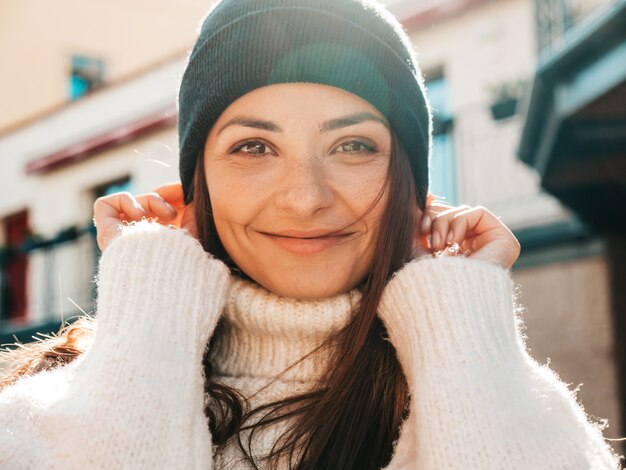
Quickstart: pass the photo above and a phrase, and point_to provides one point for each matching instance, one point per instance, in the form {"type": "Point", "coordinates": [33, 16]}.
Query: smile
{"type": "Point", "coordinates": [306, 242]}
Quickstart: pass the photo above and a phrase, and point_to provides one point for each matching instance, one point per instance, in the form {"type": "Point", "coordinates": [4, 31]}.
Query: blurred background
{"type": "Point", "coordinates": [530, 122]}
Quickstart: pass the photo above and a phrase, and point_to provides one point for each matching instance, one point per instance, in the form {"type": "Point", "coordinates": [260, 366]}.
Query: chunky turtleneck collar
{"type": "Point", "coordinates": [262, 334]}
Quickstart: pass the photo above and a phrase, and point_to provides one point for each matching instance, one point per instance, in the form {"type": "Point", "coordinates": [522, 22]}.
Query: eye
{"type": "Point", "coordinates": [357, 146]}
{"type": "Point", "coordinates": [253, 148]}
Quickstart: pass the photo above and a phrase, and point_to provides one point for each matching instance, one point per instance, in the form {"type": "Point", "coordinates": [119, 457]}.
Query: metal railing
{"type": "Point", "coordinates": [59, 280]}
{"type": "Point", "coordinates": [556, 18]}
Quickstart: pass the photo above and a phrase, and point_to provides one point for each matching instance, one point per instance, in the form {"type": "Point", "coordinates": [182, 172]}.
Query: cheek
{"type": "Point", "coordinates": [372, 203]}
{"type": "Point", "coordinates": [235, 202]}
{"type": "Point", "coordinates": [373, 221]}
{"type": "Point", "coordinates": [226, 207]}
{"type": "Point", "coordinates": [364, 192]}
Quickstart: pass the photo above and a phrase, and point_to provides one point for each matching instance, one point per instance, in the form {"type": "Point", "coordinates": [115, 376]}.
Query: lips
{"type": "Point", "coordinates": [317, 233]}
{"type": "Point", "coordinates": [306, 241]}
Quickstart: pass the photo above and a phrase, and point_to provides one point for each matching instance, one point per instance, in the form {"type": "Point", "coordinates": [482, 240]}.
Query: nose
{"type": "Point", "coordinates": [304, 190]}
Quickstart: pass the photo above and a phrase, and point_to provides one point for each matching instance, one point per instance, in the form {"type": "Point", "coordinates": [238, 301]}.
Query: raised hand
{"type": "Point", "coordinates": [165, 205]}
{"type": "Point", "coordinates": [479, 233]}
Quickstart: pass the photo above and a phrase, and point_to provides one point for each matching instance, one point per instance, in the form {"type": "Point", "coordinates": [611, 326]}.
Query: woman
{"type": "Point", "coordinates": [296, 247]}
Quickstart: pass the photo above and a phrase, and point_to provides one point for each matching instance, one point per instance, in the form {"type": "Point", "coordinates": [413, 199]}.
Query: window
{"type": "Point", "coordinates": [13, 268]}
{"type": "Point", "coordinates": [443, 168]}
{"type": "Point", "coordinates": [87, 73]}
{"type": "Point", "coordinates": [122, 184]}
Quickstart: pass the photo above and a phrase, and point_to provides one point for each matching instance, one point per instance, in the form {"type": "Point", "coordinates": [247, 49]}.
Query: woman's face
{"type": "Point", "coordinates": [295, 174]}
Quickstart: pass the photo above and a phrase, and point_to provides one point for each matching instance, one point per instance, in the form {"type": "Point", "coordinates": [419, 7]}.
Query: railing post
{"type": "Point", "coordinates": [553, 19]}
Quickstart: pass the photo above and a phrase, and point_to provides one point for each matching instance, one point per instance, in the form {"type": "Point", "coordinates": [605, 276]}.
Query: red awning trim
{"type": "Point", "coordinates": [437, 13]}
{"type": "Point", "coordinates": [111, 139]}
{"type": "Point", "coordinates": [131, 131]}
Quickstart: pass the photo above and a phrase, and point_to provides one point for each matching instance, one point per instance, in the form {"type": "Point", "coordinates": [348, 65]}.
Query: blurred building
{"type": "Point", "coordinates": [574, 136]}
{"type": "Point", "coordinates": [92, 110]}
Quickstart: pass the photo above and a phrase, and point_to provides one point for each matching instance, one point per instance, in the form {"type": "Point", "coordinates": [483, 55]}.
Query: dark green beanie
{"type": "Point", "coordinates": [355, 45]}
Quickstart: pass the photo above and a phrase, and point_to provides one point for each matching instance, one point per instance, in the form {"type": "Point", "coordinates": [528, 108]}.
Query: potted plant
{"type": "Point", "coordinates": [505, 96]}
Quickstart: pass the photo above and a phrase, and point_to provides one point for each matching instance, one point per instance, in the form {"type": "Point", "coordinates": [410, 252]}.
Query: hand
{"type": "Point", "coordinates": [165, 205]}
{"type": "Point", "coordinates": [480, 234]}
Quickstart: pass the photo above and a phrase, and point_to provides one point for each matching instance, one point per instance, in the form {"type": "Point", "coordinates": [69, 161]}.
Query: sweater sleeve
{"type": "Point", "coordinates": [478, 399]}
{"type": "Point", "coordinates": [135, 399]}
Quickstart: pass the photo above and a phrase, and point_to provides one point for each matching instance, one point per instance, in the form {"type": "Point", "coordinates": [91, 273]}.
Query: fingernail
{"type": "Point", "coordinates": [170, 208]}
{"type": "Point", "coordinates": [426, 220]}
{"type": "Point", "coordinates": [436, 239]}
{"type": "Point", "coordinates": [139, 207]}
{"type": "Point", "coordinates": [450, 236]}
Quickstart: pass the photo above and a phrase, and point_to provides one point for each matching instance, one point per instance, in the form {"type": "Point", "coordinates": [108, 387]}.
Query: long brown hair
{"type": "Point", "coordinates": [352, 418]}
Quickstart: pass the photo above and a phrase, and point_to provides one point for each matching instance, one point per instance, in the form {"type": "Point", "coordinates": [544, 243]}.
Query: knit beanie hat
{"type": "Point", "coordinates": [355, 45]}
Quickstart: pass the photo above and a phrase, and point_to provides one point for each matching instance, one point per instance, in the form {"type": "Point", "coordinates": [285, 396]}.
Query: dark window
{"type": "Point", "coordinates": [122, 184]}
{"type": "Point", "coordinates": [13, 269]}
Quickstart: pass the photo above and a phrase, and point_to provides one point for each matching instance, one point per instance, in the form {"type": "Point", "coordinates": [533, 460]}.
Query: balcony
{"type": "Point", "coordinates": [559, 20]}
{"type": "Point", "coordinates": [575, 126]}
{"type": "Point", "coordinates": [574, 133]}
{"type": "Point", "coordinates": [55, 283]}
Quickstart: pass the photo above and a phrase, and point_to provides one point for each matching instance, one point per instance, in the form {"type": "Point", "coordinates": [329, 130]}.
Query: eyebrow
{"type": "Point", "coordinates": [331, 125]}
{"type": "Point", "coordinates": [350, 120]}
{"type": "Point", "coordinates": [251, 122]}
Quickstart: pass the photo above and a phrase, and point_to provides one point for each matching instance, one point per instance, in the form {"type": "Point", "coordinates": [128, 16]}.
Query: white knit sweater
{"type": "Point", "coordinates": [135, 399]}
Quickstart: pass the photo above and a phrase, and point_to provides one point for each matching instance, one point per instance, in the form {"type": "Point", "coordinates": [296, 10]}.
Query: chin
{"type": "Point", "coordinates": [304, 288]}
{"type": "Point", "coordinates": [319, 276]}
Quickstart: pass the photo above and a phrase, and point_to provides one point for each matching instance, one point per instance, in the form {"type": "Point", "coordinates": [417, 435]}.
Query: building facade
{"type": "Point", "coordinates": [106, 121]}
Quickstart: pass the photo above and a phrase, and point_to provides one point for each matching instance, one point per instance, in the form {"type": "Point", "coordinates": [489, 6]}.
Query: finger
{"type": "Point", "coordinates": [172, 193]}
{"type": "Point", "coordinates": [472, 244]}
{"type": "Point", "coordinates": [155, 205]}
{"type": "Point", "coordinates": [495, 247]}
{"type": "Point", "coordinates": [477, 220]}
{"type": "Point", "coordinates": [114, 205]}
{"type": "Point", "coordinates": [441, 226]}
{"type": "Point", "coordinates": [472, 221]}
{"type": "Point", "coordinates": [432, 206]}
{"type": "Point", "coordinates": [431, 212]}
{"type": "Point", "coordinates": [483, 228]}
{"type": "Point", "coordinates": [459, 227]}
{"type": "Point", "coordinates": [110, 211]}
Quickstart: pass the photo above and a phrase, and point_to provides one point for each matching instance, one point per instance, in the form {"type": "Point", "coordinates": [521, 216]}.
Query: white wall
{"type": "Point", "coordinates": [60, 278]}
{"type": "Point", "coordinates": [37, 40]}
{"type": "Point", "coordinates": [61, 196]}
{"type": "Point", "coordinates": [477, 48]}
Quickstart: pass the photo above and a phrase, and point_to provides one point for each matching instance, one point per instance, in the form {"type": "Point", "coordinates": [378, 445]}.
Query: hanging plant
{"type": "Point", "coordinates": [505, 96]}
